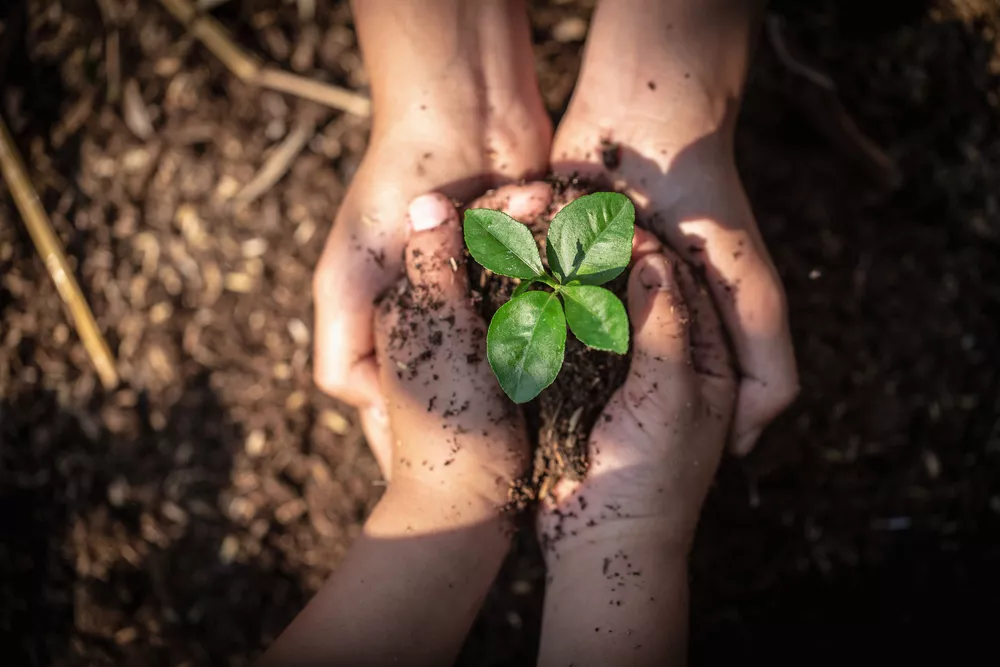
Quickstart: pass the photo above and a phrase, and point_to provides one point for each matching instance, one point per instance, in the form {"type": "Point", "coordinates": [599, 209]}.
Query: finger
{"type": "Point", "coordinates": [661, 384]}
{"type": "Point", "coordinates": [435, 259]}
{"type": "Point", "coordinates": [661, 343]}
{"type": "Point", "coordinates": [521, 202]}
{"type": "Point", "coordinates": [644, 243]}
{"type": "Point", "coordinates": [710, 355]}
{"type": "Point", "coordinates": [751, 302]}
{"type": "Point", "coordinates": [348, 279]}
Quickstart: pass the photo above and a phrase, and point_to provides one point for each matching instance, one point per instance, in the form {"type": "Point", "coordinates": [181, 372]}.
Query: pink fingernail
{"type": "Point", "coordinates": [428, 211]}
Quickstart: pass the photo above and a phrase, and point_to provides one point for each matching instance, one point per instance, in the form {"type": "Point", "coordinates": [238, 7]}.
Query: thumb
{"type": "Point", "coordinates": [435, 254]}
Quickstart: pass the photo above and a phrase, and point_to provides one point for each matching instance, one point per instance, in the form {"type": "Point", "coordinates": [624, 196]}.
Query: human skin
{"type": "Point", "coordinates": [653, 115]}
{"type": "Point", "coordinates": [435, 541]}
{"type": "Point", "coordinates": [456, 110]}
{"type": "Point", "coordinates": [616, 544]}
{"type": "Point", "coordinates": [410, 587]}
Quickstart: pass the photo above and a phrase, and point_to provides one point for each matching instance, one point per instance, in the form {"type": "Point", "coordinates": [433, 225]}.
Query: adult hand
{"type": "Point", "coordinates": [457, 111]}
{"type": "Point", "coordinates": [657, 123]}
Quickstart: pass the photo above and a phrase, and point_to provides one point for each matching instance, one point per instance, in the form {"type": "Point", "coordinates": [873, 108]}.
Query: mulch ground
{"type": "Point", "coordinates": [185, 518]}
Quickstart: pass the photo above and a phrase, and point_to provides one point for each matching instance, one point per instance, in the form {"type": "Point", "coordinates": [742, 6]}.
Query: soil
{"type": "Point", "coordinates": [185, 518]}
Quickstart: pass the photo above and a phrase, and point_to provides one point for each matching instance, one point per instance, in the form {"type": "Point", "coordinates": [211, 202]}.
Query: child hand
{"type": "Point", "coordinates": [453, 427]}
{"type": "Point", "coordinates": [654, 450]}
{"type": "Point", "coordinates": [411, 585]}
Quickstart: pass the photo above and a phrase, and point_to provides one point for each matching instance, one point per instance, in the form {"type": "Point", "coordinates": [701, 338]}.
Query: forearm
{"type": "Point", "coordinates": [671, 53]}
{"type": "Point", "coordinates": [409, 588]}
{"type": "Point", "coordinates": [452, 51]}
{"type": "Point", "coordinates": [619, 600]}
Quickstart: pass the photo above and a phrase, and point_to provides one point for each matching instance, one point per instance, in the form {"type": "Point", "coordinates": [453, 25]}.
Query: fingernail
{"type": "Point", "coordinates": [746, 443]}
{"type": "Point", "coordinates": [656, 273]}
{"type": "Point", "coordinates": [428, 211]}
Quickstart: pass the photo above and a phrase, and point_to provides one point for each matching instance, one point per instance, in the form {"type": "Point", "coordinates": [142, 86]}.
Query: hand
{"type": "Point", "coordinates": [434, 543]}
{"type": "Point", "coordinates": [663, 135]}
{"type": "Point", "coordinates": [655, 448]}
{"type": "Point", "coordinates": [616, 544]}
{"type": "Point", "coordinates": [457, 111]}
{"type": "Point", "coordinates": [454, 428]}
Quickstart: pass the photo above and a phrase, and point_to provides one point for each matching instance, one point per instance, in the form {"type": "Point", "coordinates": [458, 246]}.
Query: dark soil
{"type": "Point", "coordinates": [187, 517]}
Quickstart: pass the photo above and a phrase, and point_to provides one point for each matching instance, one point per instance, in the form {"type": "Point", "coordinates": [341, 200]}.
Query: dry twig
{"type": "Point", "coordinates": [249, 68]}
{"type": "Point", "coordinates": [47, 243]}
{"type": "Point", "coordinates": [281, 158]}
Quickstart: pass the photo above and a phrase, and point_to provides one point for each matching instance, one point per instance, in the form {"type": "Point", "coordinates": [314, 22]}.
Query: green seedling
{"type": "Point", "coordinates": [589, 243]}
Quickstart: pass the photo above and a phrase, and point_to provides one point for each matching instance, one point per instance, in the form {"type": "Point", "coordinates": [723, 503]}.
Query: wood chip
{"type": "Point", "coordinates": [335, 421]}
{"type": "Point", "coordinates": [134, 111]}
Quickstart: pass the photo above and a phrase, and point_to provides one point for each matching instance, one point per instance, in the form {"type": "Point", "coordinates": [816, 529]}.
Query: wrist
{"type": "Point", "coordinates": [447, 58]}
{"type": "Point", "coordinates": [594, 515]}
{"type": "Point", "coordinates": [683, 61]}
{"type": "Point", "coordinates": [445, 501]}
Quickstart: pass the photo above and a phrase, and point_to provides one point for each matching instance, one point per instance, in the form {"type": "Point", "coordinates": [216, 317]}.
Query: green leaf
{"type": "Point", "coordinates": [590, 240]}
{"type": "Point", "coordinates": [502, 244]}
{"type": "Point", "coordinates": [522, 288]}
{"type": "Point", "coordinates": [525, 344]}
{"type": "Point", "coordinates": [597, 317]}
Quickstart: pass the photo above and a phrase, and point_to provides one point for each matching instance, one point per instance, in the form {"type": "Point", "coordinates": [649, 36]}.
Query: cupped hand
{"type": "Point", "coordinates": [654, 450]}
{"type": "Point", "coordinates": [687, 191]}
{"type": "Point", "coordinates": [452, 426]}
{"type": "Point", "coordinates": [426, 151]}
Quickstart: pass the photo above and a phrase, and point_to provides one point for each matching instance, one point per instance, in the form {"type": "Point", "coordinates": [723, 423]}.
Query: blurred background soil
{"type": "Point", "coordinates": [185, 518]}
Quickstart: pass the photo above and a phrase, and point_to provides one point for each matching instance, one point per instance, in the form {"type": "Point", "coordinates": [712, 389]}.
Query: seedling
{"type": "Point", "coordinates": [589, 243]}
